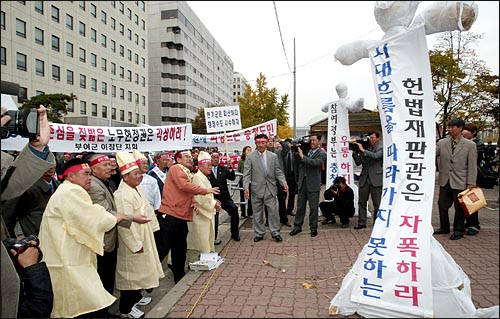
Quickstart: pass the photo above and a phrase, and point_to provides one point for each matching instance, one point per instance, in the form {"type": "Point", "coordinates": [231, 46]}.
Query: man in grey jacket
{"type": "Point", "coordinates": [370, 180]}
{"type": "Point", "coordinates": [101, 194]}
{"type": "Point", "coordinates": [262, 170]}
{"type": "Point", "coordinates": [17, 177]}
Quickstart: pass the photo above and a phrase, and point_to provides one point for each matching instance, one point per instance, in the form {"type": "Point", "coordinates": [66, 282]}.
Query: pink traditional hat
{"type": "Point", "coordinates": [139, 157]}
{"type": "Point", "coordinates": [126, 162]}
{"type": "Point", "coordinates": [204, 157]}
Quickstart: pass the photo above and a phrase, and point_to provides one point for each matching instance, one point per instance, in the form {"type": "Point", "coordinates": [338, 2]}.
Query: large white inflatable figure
{"type": "Point", "coordinates": [339, 158]}
{"type": "Point", "coordinates": [403, 271]}
{"type": "Point", "coordinates": [395, 17]}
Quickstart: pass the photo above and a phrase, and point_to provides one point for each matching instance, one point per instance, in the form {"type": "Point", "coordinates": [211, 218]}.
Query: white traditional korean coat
{"type": "Point", "coordinates": [136, 271]}
{"type": "Point", "coordinates": [71, 234]}
{"type": "Point", "coordinates": [202, 229]}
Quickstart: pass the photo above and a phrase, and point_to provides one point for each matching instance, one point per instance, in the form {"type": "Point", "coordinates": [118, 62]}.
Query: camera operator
{"type": "Point", "coordinates": [370, 180]}
{"type": "Point", "coordinates": [339, 200]}
{"type": "Point", "coordinates": [35, 297]}
{"type": "Point", "coordinates": [309, 185]}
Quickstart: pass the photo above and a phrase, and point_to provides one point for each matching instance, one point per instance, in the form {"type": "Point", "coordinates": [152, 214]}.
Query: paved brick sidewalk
{"type": "Point", "coordinates": [243, 287]}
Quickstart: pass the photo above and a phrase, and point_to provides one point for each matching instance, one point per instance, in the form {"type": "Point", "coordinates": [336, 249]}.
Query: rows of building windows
{"type": "Point", "coordinates": [56, 42]}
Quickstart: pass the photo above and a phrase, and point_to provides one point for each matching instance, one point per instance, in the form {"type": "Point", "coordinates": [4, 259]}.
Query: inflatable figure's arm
{"type": "Point", "coordinates": [447, 16]}
{"type": "Point", "coordinates": [352, 52]}
{"type": "Point", "coordinates": [356, 106]}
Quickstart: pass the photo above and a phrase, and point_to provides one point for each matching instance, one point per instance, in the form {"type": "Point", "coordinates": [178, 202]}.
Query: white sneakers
{"type": "Point", "coordinates": [134, 313]}
{"type": "Point", "coordinates": [144, 301]}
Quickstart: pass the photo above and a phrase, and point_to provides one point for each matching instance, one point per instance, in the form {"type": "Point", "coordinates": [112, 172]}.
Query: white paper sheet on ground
{"type": "Point", "coordinates": [450, 287]}
{"type": "Point", "coordinates": [208, 261]}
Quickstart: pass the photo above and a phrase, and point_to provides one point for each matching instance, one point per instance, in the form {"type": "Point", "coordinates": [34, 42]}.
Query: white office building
{"type": "Point", "coordinates": [239, 86]}
{"type": "Point", "coordinates": [188, 69]}
{"type": "Point", "coordinates": [96, 50]}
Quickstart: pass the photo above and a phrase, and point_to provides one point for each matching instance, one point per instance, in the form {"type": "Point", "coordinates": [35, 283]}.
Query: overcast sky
{"type": "Point", "coordinates": [248, 32]}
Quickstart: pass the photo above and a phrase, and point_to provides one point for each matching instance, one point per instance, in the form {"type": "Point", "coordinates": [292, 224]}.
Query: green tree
{"type": "Point", "coordinates": [262, 105]}
{"type": "Point", "coordinates": [198, 124]}
{"type": "Point", "coordinates": [56, 105]}
{"type": "Point", "coordinates": [459, 80]}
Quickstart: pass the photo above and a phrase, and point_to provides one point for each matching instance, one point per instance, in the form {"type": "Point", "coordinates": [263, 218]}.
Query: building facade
{"type": "Point", "coordinates": [188, 69]}
{"type": "Point", "coordinates": [96, 50]}
{"type": "Point", "coordinates": [239, 86]}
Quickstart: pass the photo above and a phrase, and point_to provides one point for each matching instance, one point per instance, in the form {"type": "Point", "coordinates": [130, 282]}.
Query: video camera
{"type": "Point", "coordinates": [363, 140]}
{"type": "Point", "coordinates": [335, 187]}
{"type": "Point", "coordinates": [304, 143]}
{"type": "Point", "coordinates": [23, 122]}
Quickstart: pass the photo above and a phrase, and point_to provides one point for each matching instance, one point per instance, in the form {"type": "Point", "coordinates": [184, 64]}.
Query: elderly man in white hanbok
{"type": "Point", "coordinates": [71, 234]}
{"type": "Point", "coordinates": [201, 233]}
{"type": "Point", "coordinates": [138, 265]}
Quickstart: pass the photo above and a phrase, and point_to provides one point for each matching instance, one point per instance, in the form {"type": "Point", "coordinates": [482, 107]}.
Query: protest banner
{"type": "Point", "coordinates": [79, 138]}
{"type": "Point", "coordinates": [393, 272]}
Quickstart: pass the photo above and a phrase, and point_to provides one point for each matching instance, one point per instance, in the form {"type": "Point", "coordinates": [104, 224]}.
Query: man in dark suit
{"type": "Point", "coordinates": [457, 162]}
{"type": "Point", "coordinates": [309, 185]}
{"type": "Point", "coordinates": [218, 178]}
{"type": "Point", "coordinates": [289, 168]}
{"type": "Point", "coordinates": [370, 180]}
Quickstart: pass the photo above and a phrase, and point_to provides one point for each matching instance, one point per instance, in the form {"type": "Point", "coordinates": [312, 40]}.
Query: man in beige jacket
{"type": "Point", "coordinates": [457, 163]}
{"type": "Point", "coordinates": [71, 234]}
{"type": "Point", "coordinates": [138, 264]}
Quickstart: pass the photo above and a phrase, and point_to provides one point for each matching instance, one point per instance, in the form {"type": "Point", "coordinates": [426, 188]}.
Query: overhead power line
{"type": "Point", "coordinates": [281, 36]}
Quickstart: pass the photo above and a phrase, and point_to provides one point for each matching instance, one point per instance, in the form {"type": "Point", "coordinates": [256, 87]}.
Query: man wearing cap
{"type": "Point", "coordinates": [149, 184]}
{"type": "Point", "coordinates": [101, 193]}
{"type": "Point", "coordinates": [71, 234]}
{"type": "Point", "coordinates": [201, 234]}
{"type": "Point", "coordinates": [261, 171]}
{"type": "Point", "coordinates": [176, 210]}
{"type": "Point", "coordinates": [457, 163]}
{"type": "Point", "coordinates": [138, 265]}
{"type": "Point", "coordinates": [160, 171]}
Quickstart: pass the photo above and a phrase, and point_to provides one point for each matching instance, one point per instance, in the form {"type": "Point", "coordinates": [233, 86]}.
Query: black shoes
{"type": "Point", "coordinates": [257, 239]}
{"type": "Point", "coordinates": [287, 224]}
{"type": "Point", "coordinates": [217, 242]}
{"type": "Point", "coordinates": [235, 237]}
{"type": "Point", "coordinates": [314, 233]}
{"type": "Point", "coordinates": [456, 236]}
{"type": "Point", "coordinates": [290, 213]}
{"type": "Point", "coordinates": [441, 231]}
{"type": "Point", "coordinates": [328, 222]}
{"type": "Point", "coordinates": [278, 238]}
{"type": "Point", "coordinates": [472, 232]}
{"type": "Point", "coordinates": [359, 226]}
{"type": "Point", "coordinates": [295, 231]}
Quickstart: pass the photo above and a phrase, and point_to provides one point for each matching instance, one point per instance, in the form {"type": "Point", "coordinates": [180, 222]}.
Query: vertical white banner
{"type": "Point", "coordinates": [396, 262]}
{"type": "Point", "coordinates": [339, 159]}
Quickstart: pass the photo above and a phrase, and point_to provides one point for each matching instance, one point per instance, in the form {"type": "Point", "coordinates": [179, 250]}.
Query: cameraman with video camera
{"type": "Point", "coordinates": [339, 200]}
{"type": "Point", "coordinates": [369, 154]}
{"type": "Point", "coordinates": [34, 298]}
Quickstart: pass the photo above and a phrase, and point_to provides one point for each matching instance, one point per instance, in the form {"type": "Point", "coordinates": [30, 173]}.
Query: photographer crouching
{"type": "Point", "coordinates": [339, 200]}
{"type": "Point", "coordinates": [26, 284]}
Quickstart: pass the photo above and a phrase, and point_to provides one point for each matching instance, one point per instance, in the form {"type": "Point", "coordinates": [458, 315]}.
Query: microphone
{"type": "Point", "coordinates": [353, 140]}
